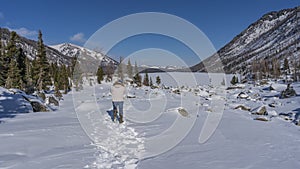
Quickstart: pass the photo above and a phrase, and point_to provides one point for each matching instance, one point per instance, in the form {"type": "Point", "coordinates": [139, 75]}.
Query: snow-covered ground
{"type": "Point", "coordinates": [161, 130]}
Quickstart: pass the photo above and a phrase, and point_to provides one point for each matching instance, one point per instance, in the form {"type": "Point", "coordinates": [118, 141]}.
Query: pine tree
{"type": "Point", "coordinates": [234, 80]}
{"type": "Point", "coordinates": [28, 76]}
{"type": "Point", "coordinates": [151, 83]}
{"type": "Point", "coordinates": [35, 71]}
{"type": "Point", "coordinates": [57, 92]}
{"type": "Point", "coordinates": [99, 75]}
{"type": "Point", "coordinates": [137, 79]}
{"type": "Point", "coordinates": [129, 69]}
{"type": "Point", "coordinates": [120, 69]}
{"type": "Point", "coordinates": [136, 70]}
{"type": "Point", "coordinates": [264, 67]}
{"type": "Point", "coordinates": [2, 63]}
{"type": "Point", "coordinates": [13, 78]}
{"type": "Point", "coordinates": [58, 78]}
{"type": "Point", "coordinates": [43, 77]}
{"type": "Point", "coordinates": [52, 70]}
{"type": "Point", "coordinates": [65, 79]}
{"type": "Point", "coordinates": [296, 69]}
{"type": "Point", "coordinates": [77, 76]}
{"type": "Point", "coordinates": [158, 81]}
{"type": "Point", "coordinates": [12, 58]}
{"type": "Point", "coordinates": [11, 48]}
{"type": "Point", "coordinates": [286, 68]}
{"type": "Point", "coordinates": [73, 65]}
{"type": "Point", "coordinates": [146, 79]}
{"type": "Point", "coordinates": [276, 68]}
{"type": "Point", "coordinates": [21, 64]}
{"type": "Point", "coordinates": [7, 57]}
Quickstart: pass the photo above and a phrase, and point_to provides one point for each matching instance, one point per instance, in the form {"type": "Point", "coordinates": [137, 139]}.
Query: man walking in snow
{"type": "Point", "coordinates": [117, 92]}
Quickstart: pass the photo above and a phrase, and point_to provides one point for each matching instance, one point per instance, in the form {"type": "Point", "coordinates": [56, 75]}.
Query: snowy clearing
{"type": "Point", "coordinates": [161, 130]}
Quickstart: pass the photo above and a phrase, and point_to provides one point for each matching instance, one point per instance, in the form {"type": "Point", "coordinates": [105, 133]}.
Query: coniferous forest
{"type": "Point", "coordinates": [36, 75]}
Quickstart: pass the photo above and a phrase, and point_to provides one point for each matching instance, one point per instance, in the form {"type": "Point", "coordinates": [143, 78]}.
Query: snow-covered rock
{"type": "Point", "coordinates": [242, 107]}
{"type": "Point", "coordinates": [260, 111]}
{"type": "Point", "coordinates": [261, 118]}
{"type": "Point", "coordinates": [13, 102]}
{"type": "Point", "coordinates": [242, 95]}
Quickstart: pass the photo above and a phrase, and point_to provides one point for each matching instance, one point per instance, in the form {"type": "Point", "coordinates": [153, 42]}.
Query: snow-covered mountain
{"type": "Point", "coordinates": [29, 47]}
{"type": "Point", "coordinates": [274, 35]}
{"type": "Point", "coordinates": [61, 54]}
{"type": "Point", "coordinates": [89, 60]}
{"type": "Point", "coordinates": [168, 68]}
{"type": "Point", "coordinates": [72, 50]}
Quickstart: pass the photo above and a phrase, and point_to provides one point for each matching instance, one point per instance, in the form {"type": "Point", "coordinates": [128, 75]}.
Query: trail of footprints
{"type": "Point", "coordinates": [121, 148]}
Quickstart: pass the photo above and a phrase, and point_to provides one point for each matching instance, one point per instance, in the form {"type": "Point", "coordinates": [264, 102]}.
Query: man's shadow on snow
{"type": "Point", "coordinates": [111, 115]}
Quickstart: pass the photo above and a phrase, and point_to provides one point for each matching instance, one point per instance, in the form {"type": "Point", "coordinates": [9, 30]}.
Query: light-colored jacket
{"type": "Point", "coordinates": [118, 91]}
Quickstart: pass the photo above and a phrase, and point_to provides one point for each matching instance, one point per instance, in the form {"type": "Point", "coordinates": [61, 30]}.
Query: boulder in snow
{"type": "Point", "coordinates": [176, 91]}
{"type": "Point", "coordinates": [271, 105]}
{"type": "Point", "coordinates": [272, 113]}
{"type": "Point", "coordinates": [242, 107]}
{"type": "Point", "coordinates": [182, 112]}
{"type": "Point", "coordinates": [261, 118]}
{"type": "Point", "coordinates": [297, 119]}
{"type": "Point", "coordinates": [286, 116]}
{"type": "Point", "coordinates": [131, 95]}
{"type": "Point", "coordinates": [243, 95]}
{"type": "Point", "coordinates": [270, 88]}
{"type": "Point", "coordinates": [260, 111]}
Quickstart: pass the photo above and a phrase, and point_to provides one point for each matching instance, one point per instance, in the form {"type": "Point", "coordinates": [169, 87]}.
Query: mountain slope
{"type": "Point", "coordinates": [84, 53]}
{"type": "Point", "coordinates": [274, 35]}
{"type": "Point", "coordinates": [30, 48]}
{"type": "Point", "coordinates": [89, 60]}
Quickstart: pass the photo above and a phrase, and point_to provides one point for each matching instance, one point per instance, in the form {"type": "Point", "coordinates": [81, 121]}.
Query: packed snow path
{"type": "Point", "coordinates": [118, 145]}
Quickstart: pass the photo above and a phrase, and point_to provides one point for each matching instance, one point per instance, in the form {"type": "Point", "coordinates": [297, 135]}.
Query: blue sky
{"type": "Point", "coordinates": [75, 21]}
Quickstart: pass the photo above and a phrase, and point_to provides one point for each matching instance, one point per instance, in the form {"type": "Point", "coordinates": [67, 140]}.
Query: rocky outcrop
{"type": "Point", "coordinates": [38, 106]}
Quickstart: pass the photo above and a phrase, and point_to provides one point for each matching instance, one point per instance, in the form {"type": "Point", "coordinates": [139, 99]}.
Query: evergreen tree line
{"type": "Point", "coordinates": [132, 73]}
{"type": "Point", "coordinates": [264, 69]}
{"type": "Point", "coordinates": [18, 71]}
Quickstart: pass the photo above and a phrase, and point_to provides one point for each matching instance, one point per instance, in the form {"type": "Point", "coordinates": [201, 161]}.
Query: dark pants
{"type": "Point", "coordinates": [118, 106]}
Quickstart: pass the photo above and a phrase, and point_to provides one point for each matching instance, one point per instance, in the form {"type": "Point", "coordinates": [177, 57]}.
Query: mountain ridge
{"type": "Point", "coordinates": [274, 35]}
{"type": "Point", "coordinates": [29, 48]}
